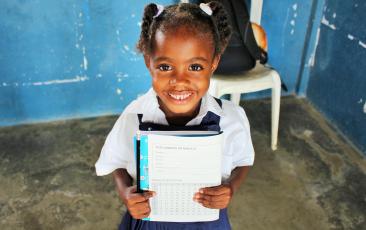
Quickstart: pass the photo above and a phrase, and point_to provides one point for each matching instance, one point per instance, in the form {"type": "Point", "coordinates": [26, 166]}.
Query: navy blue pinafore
{"type": "Point", "coordinates": [209, 123]}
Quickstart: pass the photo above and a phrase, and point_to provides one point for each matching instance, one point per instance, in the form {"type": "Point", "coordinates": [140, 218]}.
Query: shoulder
{"type": "Point", "coordinates": [129, 114]}
{"type": "Point", "coordinates": [141, 103]}
{"type": "Point", "coordinates": [234, 114]}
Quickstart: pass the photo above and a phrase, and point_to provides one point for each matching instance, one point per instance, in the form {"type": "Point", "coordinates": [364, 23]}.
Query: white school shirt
{"type": "Point", "coordinates": [118, 149]}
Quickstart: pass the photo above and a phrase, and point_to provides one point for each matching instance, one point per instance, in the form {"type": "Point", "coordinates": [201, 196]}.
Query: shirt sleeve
{"type": "Point", "coordinates": [117, 151]}
{"type": "Point", "coordinates": [243, 154]}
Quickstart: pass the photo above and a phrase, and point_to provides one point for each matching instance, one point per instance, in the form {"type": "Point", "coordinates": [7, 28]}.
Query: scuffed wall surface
{"type": "Point", "coordinates": [286, 23]}
{"type": "Point", "coordinates": [70, 59]}
{"type": "Point", "coordinates": [67, 59]}
{"type": "Point", "coordinates": [337, 84]}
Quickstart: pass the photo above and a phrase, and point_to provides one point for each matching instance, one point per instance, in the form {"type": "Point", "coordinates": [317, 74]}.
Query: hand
{"type": "Point", "coordinates": [137, 203]}
{"type": "Point", "coordinates": [217, 197]}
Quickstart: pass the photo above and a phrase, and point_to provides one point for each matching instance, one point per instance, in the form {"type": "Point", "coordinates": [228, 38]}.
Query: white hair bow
{"type": "Point", "coordinates": [206, 8]}
{"type": "Point", "coordinates": [160, 10]}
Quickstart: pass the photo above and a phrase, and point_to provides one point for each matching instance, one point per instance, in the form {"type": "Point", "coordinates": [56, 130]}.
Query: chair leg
{"type": "Point", "coordinates": [235, 98]}
{"type": "Point", "coordinates": [276, 98]}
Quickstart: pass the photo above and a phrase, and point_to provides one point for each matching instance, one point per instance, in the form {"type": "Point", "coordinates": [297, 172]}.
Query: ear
{"type": "Point", "coordinates": [215, 63]}
{"type": "Point", "coordinates": [147, 60]}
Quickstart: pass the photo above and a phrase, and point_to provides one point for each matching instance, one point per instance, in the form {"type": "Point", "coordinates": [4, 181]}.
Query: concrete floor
{"type": "Point", "coordinates": [315, 180]}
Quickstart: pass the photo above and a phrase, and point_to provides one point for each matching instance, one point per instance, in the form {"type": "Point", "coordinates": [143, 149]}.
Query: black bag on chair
{"type": "Point", "coordinates": [242, 51]}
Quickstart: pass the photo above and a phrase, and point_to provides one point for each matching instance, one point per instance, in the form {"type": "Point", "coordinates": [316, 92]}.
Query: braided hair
{"type": "Point", "coordinates": [215, 27]}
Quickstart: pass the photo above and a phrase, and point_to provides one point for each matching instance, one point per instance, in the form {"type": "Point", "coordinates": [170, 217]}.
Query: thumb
{"type": "Point", "coordinates": [133, 189]}
{"type": "Point", "coordinates": [149, 194]}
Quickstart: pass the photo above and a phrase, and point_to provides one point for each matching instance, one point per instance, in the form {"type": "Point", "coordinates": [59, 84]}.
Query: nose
{"type": "Point", "coordinates": [180, 77]}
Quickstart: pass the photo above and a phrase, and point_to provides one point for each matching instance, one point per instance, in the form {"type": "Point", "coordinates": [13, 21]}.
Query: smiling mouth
{"type": "Point", "coordinates": [180, 96]}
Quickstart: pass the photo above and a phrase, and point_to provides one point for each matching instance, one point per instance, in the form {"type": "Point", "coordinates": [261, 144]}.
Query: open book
{"type": "Point", "coordinates": [176, 164]}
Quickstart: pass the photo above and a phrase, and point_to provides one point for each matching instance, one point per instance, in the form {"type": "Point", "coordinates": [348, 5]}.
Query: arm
{"type": "Point", "coordinates": [237, 177]}
{"type": "Point", "coordinates": [136, 203]}
{"type": "Point", "coordinates": [220, 196]}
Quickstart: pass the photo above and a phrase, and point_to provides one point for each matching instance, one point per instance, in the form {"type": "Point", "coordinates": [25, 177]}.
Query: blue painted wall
{"type": "Point", "coordinates": [337, 83]}
{"type": "Point", "coordinates": [70, 59]}
{"type": "Point", "coordinates": [286, 23]}
{"type": "Point", "coordinates": [67, 59]}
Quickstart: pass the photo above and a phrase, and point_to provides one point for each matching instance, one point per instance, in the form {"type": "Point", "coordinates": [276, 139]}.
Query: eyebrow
{"type": "Point", "coordinates": [158, 59]}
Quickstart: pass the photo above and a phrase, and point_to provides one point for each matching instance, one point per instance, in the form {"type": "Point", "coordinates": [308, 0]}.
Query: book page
{"type": "Point", "coordinates": [178, 167]}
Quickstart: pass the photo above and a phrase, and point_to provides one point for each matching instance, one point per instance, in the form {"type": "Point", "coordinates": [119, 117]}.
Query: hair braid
{"type": "Point", "coordinates": [222, 23]}
{"type": "Point", "coordinates": [147, 19]}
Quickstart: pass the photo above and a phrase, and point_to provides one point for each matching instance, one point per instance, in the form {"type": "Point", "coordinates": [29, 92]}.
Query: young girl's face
{"type": "Point", "coordinates": [181, 66]}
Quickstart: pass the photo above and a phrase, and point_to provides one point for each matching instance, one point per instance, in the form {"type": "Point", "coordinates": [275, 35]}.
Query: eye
{"type": "Point", "coordinates": [164, 67]}
{"type": "Point", "coordinates": [195, 67]}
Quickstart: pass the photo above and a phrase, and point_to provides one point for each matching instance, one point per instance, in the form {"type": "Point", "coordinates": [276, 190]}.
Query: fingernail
{"type": "Point", "coordinates": [201, 190]}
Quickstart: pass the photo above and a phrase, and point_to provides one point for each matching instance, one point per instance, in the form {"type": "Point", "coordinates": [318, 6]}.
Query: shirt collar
{"type": "Point", "coordinates": [153, 113]}
{"type": "Point", "coordinates": [208, 104]}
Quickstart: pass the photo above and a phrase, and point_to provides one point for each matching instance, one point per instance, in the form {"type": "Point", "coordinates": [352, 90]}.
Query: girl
{"type": "Point", "coordinates": [181, 45]}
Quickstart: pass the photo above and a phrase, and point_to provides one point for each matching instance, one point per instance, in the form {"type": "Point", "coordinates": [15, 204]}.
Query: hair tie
{"type": "Point", "coordinates": [206, 8]}
{"type": "Point", "coordinates": [160, 10]}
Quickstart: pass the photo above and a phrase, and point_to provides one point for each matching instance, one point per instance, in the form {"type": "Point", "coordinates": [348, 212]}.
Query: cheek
{"type": "Point", "coordinates": [159, 82]}
{"type": "Point", "coordinates": [203, 84]}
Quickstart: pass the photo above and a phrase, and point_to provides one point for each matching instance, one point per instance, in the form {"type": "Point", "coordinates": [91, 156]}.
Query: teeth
{"type": "Point", "coordinates": [180, 96]}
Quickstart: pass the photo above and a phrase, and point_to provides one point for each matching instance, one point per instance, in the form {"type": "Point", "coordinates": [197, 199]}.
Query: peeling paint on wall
{"type": "Point", "coordinates": [51, 82]}
{"type": "Point", "coordinates": [359, 42]}
{"type": "Point", "coordinates": [294, 6]}
{"type": "Point", "coordinates": [85, 61]}
{"type": "Point", "coordinates": [362, 44]}
{"type": "Point", "coordinates": [311, 62]}
{"type": "Point", "coordinates": [293, 21]}
{"type": "Point", "coordinates": [350, 37]}
{"type": "Point", "coordinates": [62, 81]}
{"type": "Point", "coordinates": [326, 23]}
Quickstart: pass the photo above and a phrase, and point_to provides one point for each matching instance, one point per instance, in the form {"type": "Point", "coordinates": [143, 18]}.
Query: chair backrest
{"type": "Point", "coordinates": [256, 11]}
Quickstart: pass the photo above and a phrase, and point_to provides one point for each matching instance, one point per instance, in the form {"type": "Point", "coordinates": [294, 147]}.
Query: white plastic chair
{"type": "Point", "coordinates": [260, 78]}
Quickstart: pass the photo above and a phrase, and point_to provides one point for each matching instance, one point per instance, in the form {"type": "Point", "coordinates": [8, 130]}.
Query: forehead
{"type": "Point", "coordinates": [183, 43]}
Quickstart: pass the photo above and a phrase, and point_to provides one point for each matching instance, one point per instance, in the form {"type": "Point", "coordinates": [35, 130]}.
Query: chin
{"type": "Point", "coordinates": [182, 111]}
{"type": "Point", "coordinates": [181, 104]}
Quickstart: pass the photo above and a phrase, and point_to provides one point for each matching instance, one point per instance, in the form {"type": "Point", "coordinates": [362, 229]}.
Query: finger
{"type": "Point", "coordinates": [139, 208]}
{"type": "Point", "coordinates": [216, 205]}
{"type": "Point", "coordinates": [141, 197]}
{"type": "Point", "coordinates": [216, 198]}
{"type": "Point", "coordinates": [135, 198]}
{"type": "Point", "coordinates": [149, 194]}
{"type": "Point", "coordinates": [217, 190]}
{"type": "Point", "coordinates": [140, 215]}
{"type": "Point", "coordinates": [133, 189]}
{"type": "Point", "coordinates": [146, 214]}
